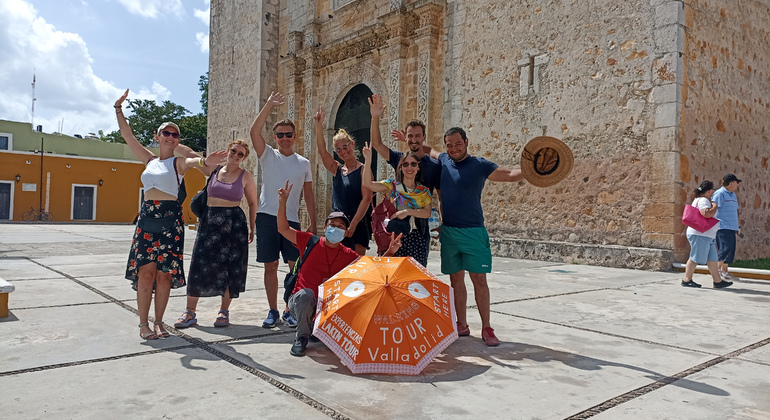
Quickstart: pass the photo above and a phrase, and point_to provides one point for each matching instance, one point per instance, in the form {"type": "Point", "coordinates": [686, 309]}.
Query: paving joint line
{"type": "Point", "coordinates": [197, 343]}
{"type": "Point", "coordinates": [638, 392]}
{"type": "Point", "coordinates": [90, 361]}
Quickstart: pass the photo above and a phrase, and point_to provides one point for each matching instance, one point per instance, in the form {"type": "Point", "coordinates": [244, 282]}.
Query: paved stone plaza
{"type": "Point", "coordinates": [577, 342]}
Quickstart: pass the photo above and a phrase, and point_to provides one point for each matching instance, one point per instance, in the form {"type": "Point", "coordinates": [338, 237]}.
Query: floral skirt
{"type": "Point", "coordinates": [220, 256]}
{"type": "Point", "coordinates": [165, 248]}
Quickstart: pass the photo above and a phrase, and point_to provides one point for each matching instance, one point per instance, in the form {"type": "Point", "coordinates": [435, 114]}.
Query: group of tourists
{"type": "Point", "coordinates": [714, 247]}
{"type": "Point", "coordinates": [220, 254]}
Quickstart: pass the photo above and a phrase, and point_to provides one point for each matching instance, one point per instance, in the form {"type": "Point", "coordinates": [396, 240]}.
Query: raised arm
{"type": "Point", "coordinates": [284, 229]}
{"type": "Point", "coordinates": [307, 192]}
{"type": "Point", "coordinates": [328, 160]}
{"type": "Point", "coordinates": [366, 173]}
{"type": "Point", "coordinates": [205, 165]}
{"type": "Point", "coordinates": [431, 151]}
{"type": "Point", "coordinates": [506, 175]}
{"type": "Point", "coordinates": [250, 191]}
{"type": "Point", "coordinates": [257, 140]}
{"type": "Point", "coordinates": [186, 151]}
{"type": "Point", "coordinates": [377, 108]}
{"type": "Point", "coordinates": [142, 153]}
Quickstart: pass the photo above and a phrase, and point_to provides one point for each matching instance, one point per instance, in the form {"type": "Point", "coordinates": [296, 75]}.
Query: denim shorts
{"type": "Point", "coordinates": [726, 245]}
{"type": "Point", "coordinates": [702, 248]}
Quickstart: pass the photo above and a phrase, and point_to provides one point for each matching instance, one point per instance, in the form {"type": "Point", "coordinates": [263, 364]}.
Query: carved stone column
{"type": "Point", "coordinates": [397, 51]}
{"type": "Point", "coordinates": [429, 97]}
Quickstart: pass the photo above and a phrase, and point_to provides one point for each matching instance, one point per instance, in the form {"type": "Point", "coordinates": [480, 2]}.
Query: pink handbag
{"type": "Point", "coordinates": [692, 218]}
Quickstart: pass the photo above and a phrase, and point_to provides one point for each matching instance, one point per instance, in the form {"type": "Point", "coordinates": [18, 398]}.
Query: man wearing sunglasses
{"type": "Point", "coordinates": [277, 166]}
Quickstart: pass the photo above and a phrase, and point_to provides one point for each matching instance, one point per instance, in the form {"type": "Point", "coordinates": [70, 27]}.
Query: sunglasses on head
{"type": "Point", "coordinates": [339, 149]}
{"type": "Point", "coordinates": [237, 153]}
{"type": "Point", "coordinates": [288, 135]}
{"type": "Point", "coordinates": [169, 134]}
{"type": "Point", "coordinates": [412, 164]}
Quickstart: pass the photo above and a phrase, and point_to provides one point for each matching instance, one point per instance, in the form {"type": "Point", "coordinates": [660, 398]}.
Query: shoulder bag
{"type": "Point", "coordinates": [199, 203]}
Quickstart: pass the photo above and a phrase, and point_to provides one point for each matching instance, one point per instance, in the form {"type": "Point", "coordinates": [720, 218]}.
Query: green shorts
{"type": "Point", "coordinates": [465, 249]}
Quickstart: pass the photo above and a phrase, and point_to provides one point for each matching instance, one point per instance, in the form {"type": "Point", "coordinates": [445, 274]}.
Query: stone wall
{"type": "Point", "coordinates": [568, 71]}
{"type": "Point", "coordinates": [727, 109]}
{"type": "Point", "coordinates": [243, 58]}
{"type": "Point", "coordinates": [651, 95]}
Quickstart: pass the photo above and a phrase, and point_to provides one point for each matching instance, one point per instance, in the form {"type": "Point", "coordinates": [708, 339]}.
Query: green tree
{"type": "Point", "coordinates": [203, 85]}
{"type": "Point", "coordinates": [113, 137]}
{"type": "Point", "coordinates": [194, 128]}
{"type": "Point", "coordinates": [147, 116]}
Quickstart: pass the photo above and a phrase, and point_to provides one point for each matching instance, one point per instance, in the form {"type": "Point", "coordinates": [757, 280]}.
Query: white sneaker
{"type": "Point", "coordinates": [727, 276]}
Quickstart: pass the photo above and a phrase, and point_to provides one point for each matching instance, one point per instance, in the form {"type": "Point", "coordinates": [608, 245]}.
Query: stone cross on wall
{"type": "Point", "coordinates": [529, 70]}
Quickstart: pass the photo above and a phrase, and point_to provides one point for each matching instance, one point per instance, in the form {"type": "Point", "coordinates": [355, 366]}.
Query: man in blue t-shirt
{"type": "Point", "coordinates": [729, 228]}
{"type": "Point", "coordinates": [464, 239]}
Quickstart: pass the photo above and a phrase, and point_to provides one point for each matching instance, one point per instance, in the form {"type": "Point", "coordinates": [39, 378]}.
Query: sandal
{"type": "Point", "coordinates": [183, 323]}
{"type": "Point", "coordinates": [159, 326]}
{"type": "Point", "coordinates": [223, 321]}
{"type": "Point", "coordinates": [147, 336]}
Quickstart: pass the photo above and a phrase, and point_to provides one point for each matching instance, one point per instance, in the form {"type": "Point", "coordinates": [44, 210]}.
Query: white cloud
{"type": "Point", "coordinates": [154, 8]}
{"type": "Point", "coordinates": [203, 41]}
{"type": "Point", "coordinates": [204, 15]}
{"type": "Point", "coordinates": [157, 93]}
{"type": "Point", "coordinates": [201, 37]}
{"type": "Point", "coordinates": [67, 88]}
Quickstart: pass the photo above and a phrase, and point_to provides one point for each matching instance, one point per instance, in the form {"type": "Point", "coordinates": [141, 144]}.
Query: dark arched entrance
{"type": "Point", "coordinates": [353, 115]}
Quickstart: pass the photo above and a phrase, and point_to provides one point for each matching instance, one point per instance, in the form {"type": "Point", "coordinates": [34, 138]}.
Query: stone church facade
{"type": "Point", "coordinates": [652, 97]}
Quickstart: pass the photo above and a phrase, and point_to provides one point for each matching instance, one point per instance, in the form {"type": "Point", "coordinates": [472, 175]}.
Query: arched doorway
{"type": "Point", "coordinates": [353, 115]}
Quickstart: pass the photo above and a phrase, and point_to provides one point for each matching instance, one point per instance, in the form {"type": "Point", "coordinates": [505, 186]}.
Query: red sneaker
{"type": "Point", "coordinates": [488, 335]}
{"type": "Point", "coordinates": [463, 331]}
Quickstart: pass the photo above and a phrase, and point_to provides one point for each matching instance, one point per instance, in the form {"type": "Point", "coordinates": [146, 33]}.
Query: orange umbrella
{"type": "Point", "coordinates": [385, 315]}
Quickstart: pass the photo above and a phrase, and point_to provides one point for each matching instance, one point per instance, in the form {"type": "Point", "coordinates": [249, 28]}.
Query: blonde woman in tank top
{"type": "Point", "coordinates": [155, 259]}
{"type": "Point", "coordinates": [220, 256]}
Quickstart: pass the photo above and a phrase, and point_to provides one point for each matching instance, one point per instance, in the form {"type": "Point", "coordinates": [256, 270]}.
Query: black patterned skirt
{"type": "Point", "coordinates": [221, 254]}
{"type": "Point", "coordinates": [416, 245]}
{"type": "Point", "coordinates": [164, 248]}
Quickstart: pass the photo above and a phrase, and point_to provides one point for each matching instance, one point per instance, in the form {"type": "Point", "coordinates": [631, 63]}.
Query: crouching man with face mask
{"type": "Point", "coordinates": [325, 260]}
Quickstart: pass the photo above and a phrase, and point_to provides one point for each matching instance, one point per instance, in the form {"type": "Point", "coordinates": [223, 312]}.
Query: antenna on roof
{"type": "Point", "coordinates": [33, 98]}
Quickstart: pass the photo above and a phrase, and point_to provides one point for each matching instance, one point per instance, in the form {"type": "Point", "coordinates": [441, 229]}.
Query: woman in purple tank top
{"type": "Point", "coordinates": [221, 252]}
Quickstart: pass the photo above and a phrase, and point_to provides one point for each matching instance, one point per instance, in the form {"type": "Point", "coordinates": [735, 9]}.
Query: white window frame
{"type": "Point", "coordinates": [336, 4]}
{"type": "Point", "coordinates": [13, 187]}
{"type": "Point", "coordinates": [72, 200]}
{"type": "Point", "coordinates": [10, 140]}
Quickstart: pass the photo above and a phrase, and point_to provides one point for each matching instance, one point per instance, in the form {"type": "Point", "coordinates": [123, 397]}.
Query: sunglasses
{"type": "Point", "coordinates": [237, 153]}
{"type": "Point", "coordinates": [339, 149]}
{"type": "Point", "coordinates": [288, 135]}
{"type": "Point", "coordinates": [169, 134]}
{"type": "Point", "coordinates": [412, 164]}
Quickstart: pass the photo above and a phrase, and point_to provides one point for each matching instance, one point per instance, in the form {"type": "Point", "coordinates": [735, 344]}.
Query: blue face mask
{"type": "Point", "coordinates": [334, 235]}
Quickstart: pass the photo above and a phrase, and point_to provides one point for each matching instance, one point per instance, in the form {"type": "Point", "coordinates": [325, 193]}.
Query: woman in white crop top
{"type": "Point", "coordinates": [155, 259]}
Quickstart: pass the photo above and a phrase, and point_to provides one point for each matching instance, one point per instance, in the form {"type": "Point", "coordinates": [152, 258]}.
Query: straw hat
{"type": "Point", "coordinates": [545, 161]}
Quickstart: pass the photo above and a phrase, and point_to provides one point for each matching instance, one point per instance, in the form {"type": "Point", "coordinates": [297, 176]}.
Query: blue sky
{"type": "Point", "coordinates": [85, 53]}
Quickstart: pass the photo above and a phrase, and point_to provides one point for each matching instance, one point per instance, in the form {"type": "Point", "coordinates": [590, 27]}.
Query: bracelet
{"type": "Point", "coordinates": [118, 106]}
{"type": "Point", "coordinates": [200, 162]}
{"type": "Point", "coordinates": [118, 111]}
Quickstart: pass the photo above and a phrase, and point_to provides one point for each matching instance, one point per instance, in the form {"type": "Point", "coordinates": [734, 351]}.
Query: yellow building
{"type": "Point", "coordinates": [66, 182]}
